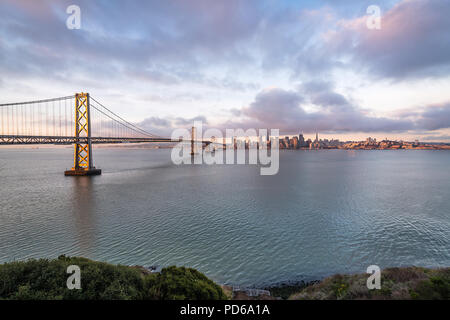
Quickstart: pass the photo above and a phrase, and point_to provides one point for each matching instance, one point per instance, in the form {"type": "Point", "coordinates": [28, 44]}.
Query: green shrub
{"type": "Point", "coordinates": [396, 283]}
{"type": "Point", "coordinates": [45, 279]}
{"type": "Point", "coordinates": [183, 283]}
{"type": "Point", "coordinates": [436, 288]}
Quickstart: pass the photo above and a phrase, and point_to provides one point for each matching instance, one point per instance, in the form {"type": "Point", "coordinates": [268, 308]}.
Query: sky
{"type": "Point", "coordinates": [297, 66]}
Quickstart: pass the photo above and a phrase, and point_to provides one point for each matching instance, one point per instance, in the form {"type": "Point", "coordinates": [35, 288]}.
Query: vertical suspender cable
{"type": "Point", "coordinates": [30, 111]}
{"type": "Point", "coordinates": [54, 118]}
{"type": "Point", "coordinates": [40, 119]}
{"type": "Point", "coordinates": [14, 119]}
{"type": "Point", "coordinates": [22, 132]}
{"type": "Point", "coordinates": [47, 117]}
{"type": "Point", "coordinates": [59, 109]}
{"type": "Point", "coordinates": [65, 116]}
{"type": "Point", "coordinates": [3, 122]}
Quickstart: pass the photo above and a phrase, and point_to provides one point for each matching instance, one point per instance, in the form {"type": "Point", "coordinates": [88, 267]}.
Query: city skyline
{"type": "Point", "coordinates": [302, 142]}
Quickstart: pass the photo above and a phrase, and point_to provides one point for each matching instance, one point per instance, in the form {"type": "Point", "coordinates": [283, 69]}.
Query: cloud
{"type": "Point", "coordinates": [334, 113]}
{"type": "Point", "coordinates": [285, 110]}
{"type": "Point", "coordinates": [172, 43]}
{"type": "Point", "coordinates": [314, 86]}
{"type": "Point", "coordinates": [434, 117]}
{"type": "Point", "coordinates": [278, 106]}
{"type": "Point", "coordinates": [205, 51]}
{"type": "Point", "coordinates": [153, 122]}
{"type": "Point", "coordinates": [436, 138]}
{"type": "Point", "coordinates": [413, 41]}
{"type": "Point", "coordinates": [164, 126]}
{"type": "Point", "coordinates": [154, 41]}
{"type": "Point", "coordinates": [179, 121]}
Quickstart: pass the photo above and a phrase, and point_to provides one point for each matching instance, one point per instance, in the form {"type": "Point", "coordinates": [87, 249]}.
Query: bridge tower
{"type": "Point", "coordinates": [193, 143]}
{"type": "Point", "coordinates": [83, 160]}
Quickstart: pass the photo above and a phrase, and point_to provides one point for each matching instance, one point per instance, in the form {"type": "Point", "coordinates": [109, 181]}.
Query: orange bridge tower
{"type": "Point", "coordinates": [83, 160]}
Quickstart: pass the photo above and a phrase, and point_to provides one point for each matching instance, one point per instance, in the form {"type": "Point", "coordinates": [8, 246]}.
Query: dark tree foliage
{"type": "Point", "coordinates": [45, 279]}
{"type": "Point", "coordinates": [182, 283]}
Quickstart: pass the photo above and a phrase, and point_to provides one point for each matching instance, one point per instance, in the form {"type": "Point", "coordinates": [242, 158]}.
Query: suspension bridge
{"type": "Point", "coordinates": [79, 120]}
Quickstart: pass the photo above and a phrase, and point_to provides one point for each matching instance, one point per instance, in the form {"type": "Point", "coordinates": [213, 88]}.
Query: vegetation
{"type": "Point", "coordinates": [285, 290]}
{"type": "Point", "coordinates": [396, 283]}
{"type": "Point", "coordinates": [45, 279]}
{"type": "Point", "coordinates": [181, 284]}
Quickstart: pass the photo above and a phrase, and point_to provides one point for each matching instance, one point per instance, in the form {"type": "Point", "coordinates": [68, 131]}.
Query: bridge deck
{"type": "Point", "coordinates": [14, 139]}
{"type": "Point", "coordinates": [9, 139]}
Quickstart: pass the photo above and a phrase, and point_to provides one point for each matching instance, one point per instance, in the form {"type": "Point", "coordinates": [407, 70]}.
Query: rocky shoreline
{"type": "Point", "coordinates": [407, 283]}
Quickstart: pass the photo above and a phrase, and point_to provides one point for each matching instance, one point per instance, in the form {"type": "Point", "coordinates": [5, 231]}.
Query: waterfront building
{"type": "Point", "coordinates": [316, 144]}
{"type": "Point", "coordinates": [294, 143]}
{"type": "Point", "coordinates": [371, 141]}
{"type": "Point", "coordinates": [308, 143]}
{"type": "Point", "coordinates": [301, 140]}
{"type": "Point", "coordinates": [286, 142]}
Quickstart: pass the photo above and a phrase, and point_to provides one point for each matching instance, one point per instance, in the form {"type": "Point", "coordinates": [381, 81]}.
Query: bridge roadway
{"type": "Point", "coordinates": [18, 139]}
{"type": "Point", "coordinates": [9, 139]}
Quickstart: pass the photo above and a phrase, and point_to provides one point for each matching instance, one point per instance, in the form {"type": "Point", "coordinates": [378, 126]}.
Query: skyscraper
{"type": "Point", "coordinates": [316, 144]}
{"type": "Point", "coordinates": [301, 140]}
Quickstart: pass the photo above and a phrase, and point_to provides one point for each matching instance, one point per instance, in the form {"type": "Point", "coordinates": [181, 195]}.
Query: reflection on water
{"type": "Point", "coordinates": [325, 212]}
{"type": "Point", "coordinates": [84, 212]}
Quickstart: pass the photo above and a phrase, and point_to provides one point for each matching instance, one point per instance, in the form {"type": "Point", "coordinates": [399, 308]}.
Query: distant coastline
{"type": "Point", "coordinates": [284, 144]}
{"type": "Point", "coordinates": [298, 142]}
